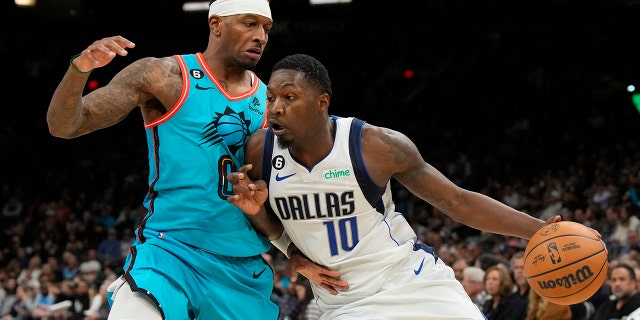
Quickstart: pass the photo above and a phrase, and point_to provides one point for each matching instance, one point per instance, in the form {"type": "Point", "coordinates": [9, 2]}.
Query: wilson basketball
{"type": "Point", "coordinates": [566, 262]}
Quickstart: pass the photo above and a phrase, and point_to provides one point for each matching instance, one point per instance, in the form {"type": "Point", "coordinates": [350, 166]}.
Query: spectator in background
{"type": "Point", "coordinates": [607, 227]}
{"type": "Point", "coordinates": [541, 309]}
{"type": "Point", "coordinates": [601, 193]}
{"type": "Point", "coordinates": [487, 260]}
{"type": "Point", "coordinates": [446, 253]}
{"type": "Point", "coordinates": [110, 248]}
{"type": "Point", "coordinates": [582, 217]}
{"type": "Point", "coordinates": [12, 210]}
{"type": "Point", "coordinates": [631, 194]}
{"type": "Point", "coordinates": [99, 307]}
{"type": "Point", "coordinates": [10, 286]}
{"type": "Point", "coordinates": [292, 301]}
{"type": "Point", "coordinates": [473, 283]}
{"type": "Point", "coordinates": [469, 249]}
{"type": "Point", "coordinates": [44, 299]}
{"type": "Point", "coordinates": [70, 265]}
{"type": "Point", "coordinates": [26, 301]}
{"type": "Point", "coordinates": [458, 267]}
{"type": "Point", "coordinates": [106, 217]}
{"type": "Point", "coordinates": [32, 272]}
{"type": "Point", "coordinates": [503, 305]}
{"type": "Point", "coordinates": [554, 205]}
{"type": "Point", "coordinates": [517, 270]}
{"type": "Point", "coordinates": [91, 269]}
{"type": "Point", "coordinates": [48, 274]}
{"type": "Point", "coordinates": [511, 197]}
{"type": "Point", "coordinates": [81, 298]}
{"type": "Point", "coordinates": [624, 288]}
{"type": "Point", "coordinates": [625, 224]}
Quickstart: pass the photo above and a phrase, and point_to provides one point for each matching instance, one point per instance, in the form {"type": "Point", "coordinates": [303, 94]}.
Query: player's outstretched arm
{"type": "Point", "coordinates": [71, 115]}
{"type": "Point", "coordinates": [394, 154]}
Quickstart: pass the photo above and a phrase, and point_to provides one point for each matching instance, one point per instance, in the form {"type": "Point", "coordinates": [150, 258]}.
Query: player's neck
{"type": "Point", "coordinates": [316, 147]}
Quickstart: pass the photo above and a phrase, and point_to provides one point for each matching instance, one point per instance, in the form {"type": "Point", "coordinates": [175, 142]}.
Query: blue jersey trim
{"type": "Point", "coordinates": [369, 188]}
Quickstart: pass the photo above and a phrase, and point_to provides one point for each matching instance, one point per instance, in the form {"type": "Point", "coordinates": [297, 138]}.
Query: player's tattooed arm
{"type": "Point", "coordinates": [150, 83]}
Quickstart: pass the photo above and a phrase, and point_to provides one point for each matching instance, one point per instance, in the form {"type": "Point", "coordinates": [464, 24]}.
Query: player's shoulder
{"type": "Point", "coordinates": [375, 131]}
{"type": "Point", "coordinates": [152, 72]}
{"type": "Point", "coordinates": [259, 135]}
{"type": "Point", "coordinates": [255, 142]}
{"type": "Point", "coordinates": [155, 66]}
{"type": "Point", "coordinates": [384, 140]}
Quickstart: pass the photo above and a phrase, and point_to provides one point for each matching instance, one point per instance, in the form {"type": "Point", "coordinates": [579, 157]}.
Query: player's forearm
{"type": "Point", "coordinates": [266, 224]}
{"type": "Point", "coordinates": [485, 213]}
{"type": "Point", "coordinates": [65, 109]}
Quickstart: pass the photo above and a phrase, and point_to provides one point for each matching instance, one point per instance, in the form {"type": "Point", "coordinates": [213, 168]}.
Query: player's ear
{"type": "Point", "coordinates": [214, 23]}
{"type": "Point", "coordinates": [324, 100]}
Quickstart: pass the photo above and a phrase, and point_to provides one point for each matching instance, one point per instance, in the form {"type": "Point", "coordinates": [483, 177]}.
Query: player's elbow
{"type": "Point", "coordinates": [60, 132]}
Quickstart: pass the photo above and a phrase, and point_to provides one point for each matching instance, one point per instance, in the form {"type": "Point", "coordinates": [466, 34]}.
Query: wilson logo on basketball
{"type": "Point", "coordinates": [581, 275]}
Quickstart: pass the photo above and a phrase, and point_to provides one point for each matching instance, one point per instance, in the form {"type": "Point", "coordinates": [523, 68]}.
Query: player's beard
{"type": "Point", "coordinates": [284, 144]}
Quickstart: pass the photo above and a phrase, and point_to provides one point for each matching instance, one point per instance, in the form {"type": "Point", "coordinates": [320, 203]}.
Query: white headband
{"type": "Point", "coordinates": [225, 8]}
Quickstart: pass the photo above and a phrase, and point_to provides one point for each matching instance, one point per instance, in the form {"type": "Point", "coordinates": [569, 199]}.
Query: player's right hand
{"type": "Point", "coordinates": [101, 52]}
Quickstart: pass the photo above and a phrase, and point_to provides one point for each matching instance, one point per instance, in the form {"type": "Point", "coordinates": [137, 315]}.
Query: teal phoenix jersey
{"type": "Point", "coordinates": [191, 150]}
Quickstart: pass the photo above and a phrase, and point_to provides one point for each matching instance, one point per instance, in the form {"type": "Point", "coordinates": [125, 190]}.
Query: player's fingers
{"type": "Point", "coordinates": [239, 189]}
{"type": "Point", "coordinates": [117, 45]}
{"type": "Point", "coordinates": [233, 199]}
{"type": "Point", "coordinates": [341, 284]}
{"type": "Point", "coordinates": [337, 283]}
{"type": "Point", "coordinates": [234, 177]}
{"type": "Point", "coordinates": [597, 233]}
{"type": "Point", "coordinates": [330, 273]}
{"type": "Point", "coordinates": [260, 185]}
{"type": "Point", "coordinates": [329, 288]}
{"type": "Point", "coordinates": [245, 168]}
{"type": "Point", "coordinates": [553, 219]}
{"type": "Point", "coordinates": [123, 42]}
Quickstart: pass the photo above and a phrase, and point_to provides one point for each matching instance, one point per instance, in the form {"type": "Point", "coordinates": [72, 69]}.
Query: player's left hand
{"type": "Point", "coordinates": [247, 195]}
{"type": "Point", "coordinates": [320, 275]}
{"type": "Point", "coordinates": [558, 218]}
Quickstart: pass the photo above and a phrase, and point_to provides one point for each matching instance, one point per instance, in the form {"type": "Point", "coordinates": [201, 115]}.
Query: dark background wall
{"type": "Point", "coordinates": [520, 86]}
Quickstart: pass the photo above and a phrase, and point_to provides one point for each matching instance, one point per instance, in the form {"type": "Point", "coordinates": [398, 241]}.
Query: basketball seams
{"type": "Point", "coordinates": [541, 242]}
{"type": "Point", "coordinates": [566, 265]}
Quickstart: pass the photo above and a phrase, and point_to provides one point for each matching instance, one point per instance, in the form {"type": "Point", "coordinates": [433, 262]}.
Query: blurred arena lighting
{"type": "Point", "coordinates": [192, 6]}
{"type": "Point", "coordinates": [635, 98]}
{"type": "Point", "coordinates": [25, 3]}
{"type": "Point", "coordinates": [631, 88]}
{"type": "Point", "coordinates": [195, 6]}
{"type": "Point", "coordinates": [314, 2]}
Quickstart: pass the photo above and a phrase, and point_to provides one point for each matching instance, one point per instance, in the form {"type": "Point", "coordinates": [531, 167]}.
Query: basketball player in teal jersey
{"type": "Point", "coordinates": [196, 256]}
{"type": "Point", "coordinates": [328, 193]}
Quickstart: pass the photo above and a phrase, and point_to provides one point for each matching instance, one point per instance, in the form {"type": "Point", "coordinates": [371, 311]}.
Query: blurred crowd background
{"type": "Point", "coordinates": [526, 102]}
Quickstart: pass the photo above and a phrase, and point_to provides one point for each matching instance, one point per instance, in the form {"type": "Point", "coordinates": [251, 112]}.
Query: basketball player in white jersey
{"type": "Point", "coordinates": [328, 193]}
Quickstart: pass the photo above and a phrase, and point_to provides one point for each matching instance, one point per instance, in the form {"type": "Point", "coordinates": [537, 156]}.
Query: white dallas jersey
{"type": "Point", "coordinates": [336, 215]}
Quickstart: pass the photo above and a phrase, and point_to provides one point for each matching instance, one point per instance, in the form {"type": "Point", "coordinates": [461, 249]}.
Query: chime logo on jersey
{"type": "Point", "coordinates": [335, 174]}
